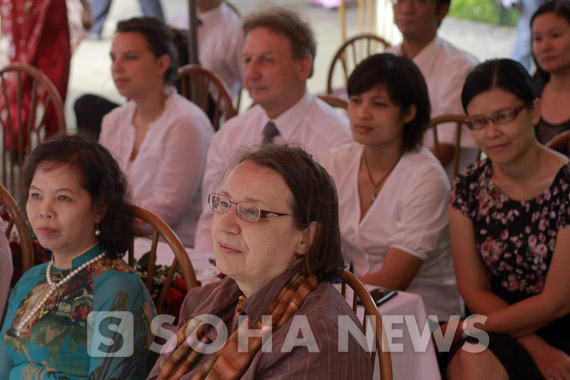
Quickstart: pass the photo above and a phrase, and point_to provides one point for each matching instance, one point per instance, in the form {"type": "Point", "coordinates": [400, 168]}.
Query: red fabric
{"type": "Point", "coordinates": [38, 34]}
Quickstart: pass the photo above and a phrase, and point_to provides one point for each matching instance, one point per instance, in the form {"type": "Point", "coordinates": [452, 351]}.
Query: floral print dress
{"type": "Point", "coordinates": [54, 344]}
{"type": "Point", "coordinates": [516, 239]}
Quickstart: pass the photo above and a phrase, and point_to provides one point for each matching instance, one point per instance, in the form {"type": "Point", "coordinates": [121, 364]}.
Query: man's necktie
{"type": "Point", "coordinates": [269, 133]}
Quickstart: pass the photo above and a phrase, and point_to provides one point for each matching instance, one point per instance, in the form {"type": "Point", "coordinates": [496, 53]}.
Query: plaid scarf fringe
{"type": "Point", "coordinates": [229, 362]}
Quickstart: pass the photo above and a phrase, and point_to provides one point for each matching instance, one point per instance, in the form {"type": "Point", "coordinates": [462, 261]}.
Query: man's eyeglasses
{"type": "Point", "coordinates": [479, 122]}
{"type": "Point", "coordinates": [246, 210]}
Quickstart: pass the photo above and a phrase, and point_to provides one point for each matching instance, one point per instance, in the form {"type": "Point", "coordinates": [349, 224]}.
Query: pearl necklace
{"type": "Point", "coordinates": [53, 287]}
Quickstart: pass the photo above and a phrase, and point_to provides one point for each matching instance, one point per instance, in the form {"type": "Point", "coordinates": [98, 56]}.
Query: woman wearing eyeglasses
{"type": "Point", "coordinates": [509, 220]}
{"type": "Point", "coordinates": [276, 237]}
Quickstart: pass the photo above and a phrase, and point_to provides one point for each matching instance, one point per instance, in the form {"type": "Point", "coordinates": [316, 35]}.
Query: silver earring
{"type": "Point", "coordinates": [97, 230]}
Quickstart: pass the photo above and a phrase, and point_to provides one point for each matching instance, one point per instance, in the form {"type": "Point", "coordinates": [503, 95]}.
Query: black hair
{"type": "Point", "coordinates": [502, 73]}
{"type": "Point", "coordinates": [99, 175]}
{"type": "Point", "coordinates": [406, 86]}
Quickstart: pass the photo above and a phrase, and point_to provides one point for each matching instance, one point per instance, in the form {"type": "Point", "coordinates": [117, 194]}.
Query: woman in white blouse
{"type": "Point", "coordinates": [392, 191]}
{"type": "Point", "coordinates": [159, 138]}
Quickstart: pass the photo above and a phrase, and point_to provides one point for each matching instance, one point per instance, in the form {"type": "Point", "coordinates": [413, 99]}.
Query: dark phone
{"type": "Point", "coordinates": [381, 295]}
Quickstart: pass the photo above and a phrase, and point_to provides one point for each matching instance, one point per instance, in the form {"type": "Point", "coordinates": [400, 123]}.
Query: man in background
{"type": "Point", "coordinates": [444, 68]}
{"type": "Point", "coordinates": [220, 40]}
{"type": "Point", "coordinates": [278, 60]}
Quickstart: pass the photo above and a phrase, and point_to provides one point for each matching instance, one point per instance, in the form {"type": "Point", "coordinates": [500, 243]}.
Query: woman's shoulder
{"type": "Point", "coordinates": [175, 100]}
{"type": "Point", "coordinates": [115, 283]}
{"type": "Point", "coordinates": [216, 288]}
{"type": "Point", "coordinates": [328, 316]}
{"type": "Point", "coordinates": [422, 159]}
{"type": "Point", "coordinates": [324, 306]}
{"type": "Point", "coordinates": [115, 272]}
{"type": "Point", "coordinates": [181, 116]}
{"type": "Point", "coordinates": [473, 174]}
{"type": "Point", "coordinates": [124, 112]}
{"type": "Point", "coordinates": [344, 150]}
{"type": "Point", "coordinates": [184, 107]}
{"type": "Point", "coordinates": [30, 278]}
{"type": "Point", "coordinates": [35, 270]}
{"type": "Point", "coordinates": [420, 165]}
{"type": "Point", "coordinates": [562, 179]}
{"type": "Point", "coordinates": [209, 298]}
{"type": "Point", "coordinates": [340, 156]}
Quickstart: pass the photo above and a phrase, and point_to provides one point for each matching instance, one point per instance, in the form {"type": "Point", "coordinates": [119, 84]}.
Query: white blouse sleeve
{"type": "Point", "coordinates": [424, 217]}
{"type": "Point", "coordinates": [179, 173]}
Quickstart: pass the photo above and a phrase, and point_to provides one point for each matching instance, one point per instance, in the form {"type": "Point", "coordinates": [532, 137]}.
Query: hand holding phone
{"type": "Point", "coordinates": [381, 295]}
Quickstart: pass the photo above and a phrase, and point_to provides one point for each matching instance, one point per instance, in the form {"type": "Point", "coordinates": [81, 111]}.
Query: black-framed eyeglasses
{"type": "Point", "coordinates": [479, 122]}
{"type": "Point", "coordinates": [246, 210]}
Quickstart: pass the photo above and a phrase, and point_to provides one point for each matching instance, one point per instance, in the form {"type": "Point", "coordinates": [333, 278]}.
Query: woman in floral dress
{"type": "Point", "coordinates": [85, 314]}
{"type": "Point", "coordinates": [509, 234]}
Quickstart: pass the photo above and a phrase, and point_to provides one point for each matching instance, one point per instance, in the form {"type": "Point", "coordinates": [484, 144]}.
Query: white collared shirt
{"type": "Point", "coordinates": [311, 123]}
{"type": "Point", "coordinates": [220, 43]}
{"type": "Point", "coordinates": [165, 177]}
{"type": "Point", "coordinates": [445, 68]}
{"type": "Point", "coordinates": [410, 214]}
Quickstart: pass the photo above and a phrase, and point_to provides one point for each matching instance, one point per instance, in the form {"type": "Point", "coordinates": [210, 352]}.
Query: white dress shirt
{"type": "Point", "coordinates": [166, 175]}
{"type": "Point", "coordinates": [445, 68]}
{"type": "Point", "coordinates": [311, 123]}
{"type": "Point", "coordinates": [220, 43]}
{"type": "Point", "coordinates": [409, 213]}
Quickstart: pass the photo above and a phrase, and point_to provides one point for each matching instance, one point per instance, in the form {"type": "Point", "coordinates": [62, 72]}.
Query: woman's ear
{"type": "Point", "coordinates": [410, 113]}
{"type": "Point", "coordinates": [535, 111]}
{"type": "Point", "coordinates": [308, 237]}
{"type": "Point", "coordinates": [163, 63]}
{"type": "Point", "coordinates": [100, 211]}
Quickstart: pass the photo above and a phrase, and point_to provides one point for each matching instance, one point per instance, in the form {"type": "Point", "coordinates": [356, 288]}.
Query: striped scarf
{"type": "Point", "coordinates": [229, 362]}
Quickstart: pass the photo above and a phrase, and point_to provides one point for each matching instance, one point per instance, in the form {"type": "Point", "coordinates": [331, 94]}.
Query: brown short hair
{"type": "Point", "coordinates": [314, 200]}
{"type": "Point", "coordinates": [289, 24]}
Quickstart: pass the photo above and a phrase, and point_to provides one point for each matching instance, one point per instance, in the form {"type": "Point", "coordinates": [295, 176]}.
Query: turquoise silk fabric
{"type": "Point", "coordinates": [54, 342]}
